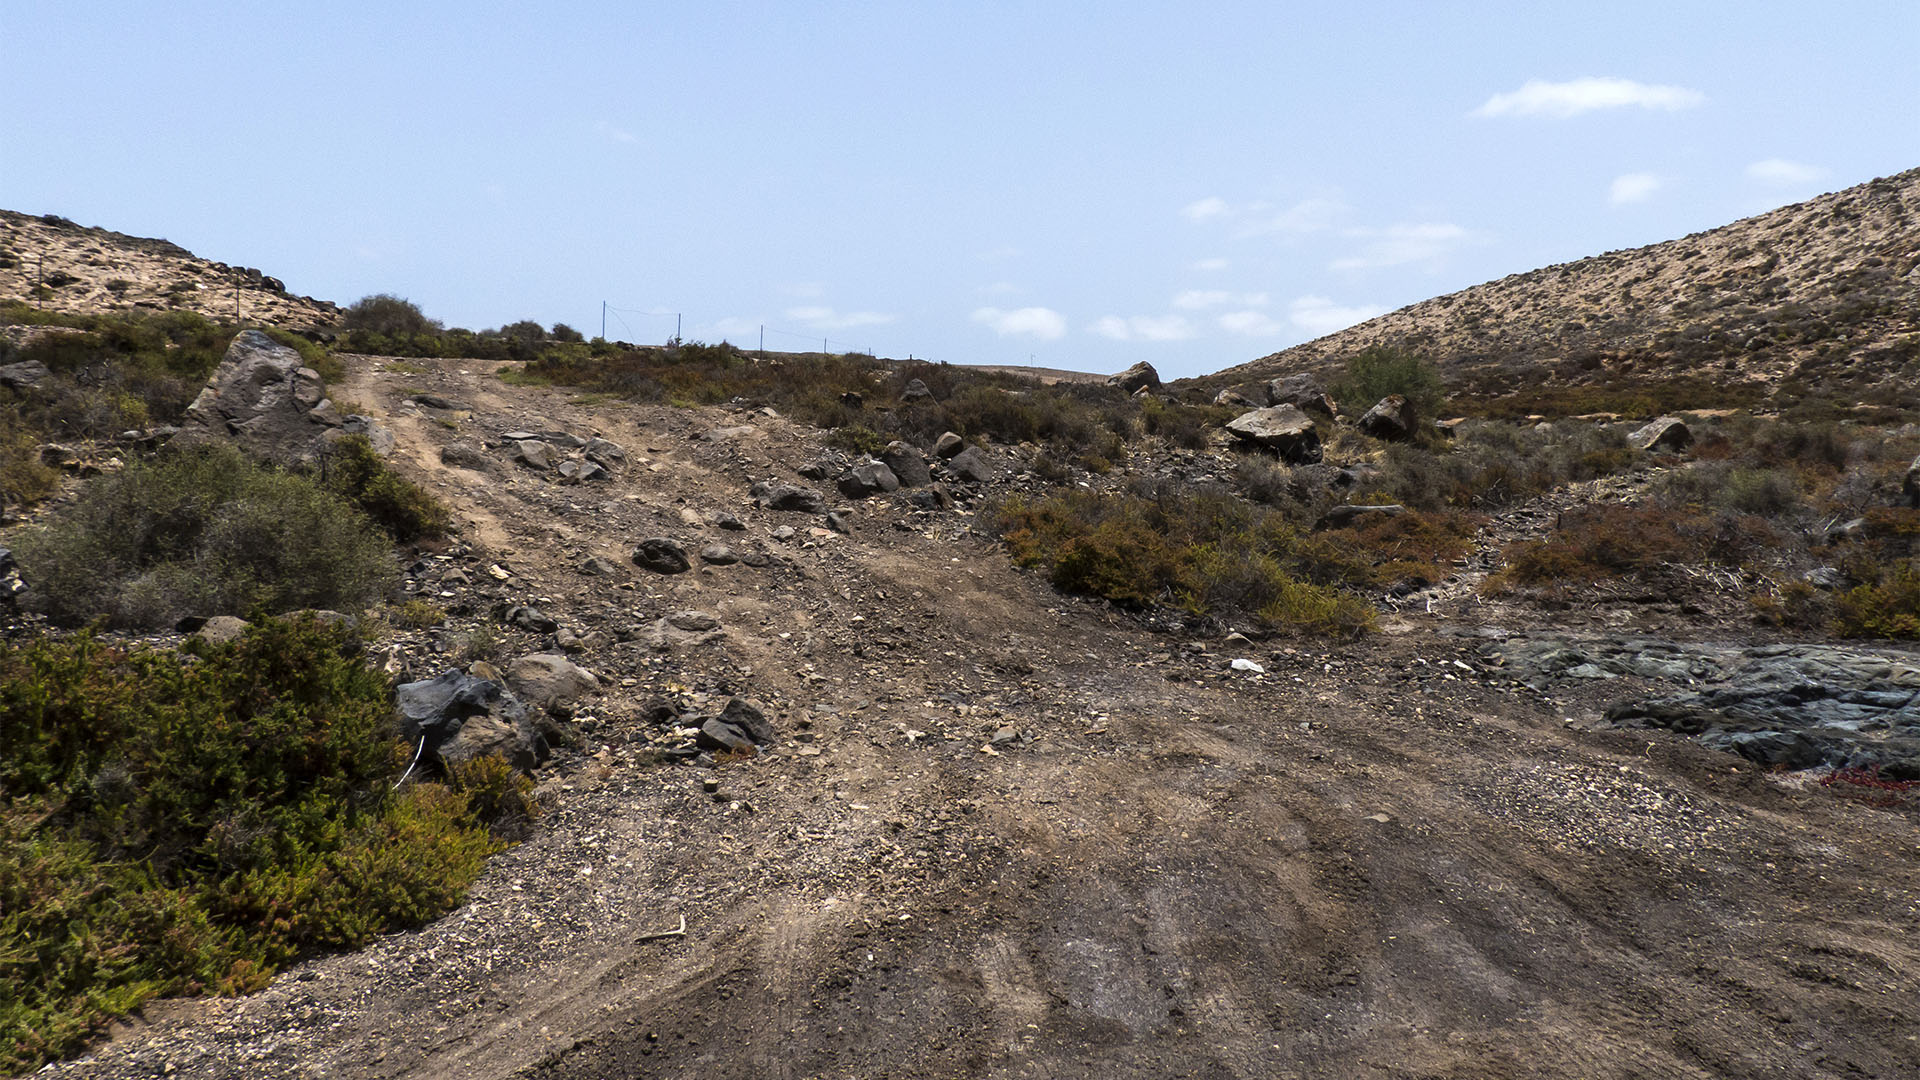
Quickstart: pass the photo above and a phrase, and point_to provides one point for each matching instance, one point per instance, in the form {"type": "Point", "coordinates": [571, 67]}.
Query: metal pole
{"type": "Point", "coordinates": [603, 320]}
{"type": "Point", "coordinates": [676, 328]}
{"type": "Point", "coordinates": [763, 341]}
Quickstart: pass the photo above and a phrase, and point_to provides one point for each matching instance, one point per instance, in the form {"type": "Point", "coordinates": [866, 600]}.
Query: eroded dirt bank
{"type": "Point", "coordinates": [1387, 859]}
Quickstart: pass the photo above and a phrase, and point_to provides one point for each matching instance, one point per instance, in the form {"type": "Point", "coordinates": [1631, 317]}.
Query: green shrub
{"type": "Point", "coordinates": [386, 314]}
{"type": "Point", "coordinates": [207, 531]}
{"type": "Point", "coordinates": [1380, 370]}
{"type": "Point", "coordinates": [1202, 551]}
{"type": "Point", "coordinates": [1888, 607]}
{"type": "Point", "coordinates": [191, 827]}
{"type": "Point", "coordinates": [408, 512]}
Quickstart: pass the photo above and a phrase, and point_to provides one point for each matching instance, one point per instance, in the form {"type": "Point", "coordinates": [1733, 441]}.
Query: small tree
{"type": "Point", "coordinates": [1380, 370]}
{"type": "Point", "coordinates": [563, 332]}
{"type": "Point", "coordinates": [385, 313]}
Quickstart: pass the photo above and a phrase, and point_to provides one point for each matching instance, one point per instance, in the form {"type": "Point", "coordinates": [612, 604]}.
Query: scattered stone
{"type": "Point", "coordinates": [461, 716]}
{"type": "Point", "coordinates": [972, 466]}
{"type": "Point", "coordinates": [932, 498]}
{"type": "Point", "coordinates": [796, 499]}
{"type": "Point", "coordinates": [1910, 484]}
{"type": "Point", "coordinates": [1232, 396]}
{"type": "Point", "coordinates": [862, 481]}
{"type": "Point", "coordinates": [1249, 666]}
{"type": "Point", "coordinates": [531, 619]}
{"type": "Point", "coordinates": [852, 399]}
{"type": "Point", "coordinates": [221, 629]}
{"type": "Point", "coordinates": [1303, 392]}
{"type": "Point", "coordinates": [947, 445]}
{"type": "Point", "coordinates": [1283, 429]}
{"type": "Point", "coordinates": [729, 522]}
{"type": "Point", "coordinates": [694, 622]}
{"type": "Point", "coordinates": [915, 390]}
{"type": "Point", "coordinates": [838, 523]}
{"type": "Point", "coordinates": [728, 434]}
{"type": "Point", "coordinates": [782, 533]}
{"type": "Point", "coordinates": [463, 454]}
{"type": "Point", "coordinates": [604, 452]}
{"type": "Point", "coordinates": [582, 471]}
{"type": "Point", "coordinates": [435, 401]}
{"type": "Point", "coordinates": [563, 439]}
{"type": "Point", "coordinates": [23, 374]}
{"type": "Point", "coordinates": [1390, 420]}
{"type": "Point", "coordinates": [718, 555]}
{"type": "Point", "coordinates": [1004, 735]}
{"type": "Point", "coordinates": [1140, 376]}
{"type": "Point", "coordinates": [547, 679]}
{"type": "Point", "coordinates": [532, 453]}
{"type": "Point", "coordinates": [908, 465]}
{"type": "Point", "coordinates": [1667, 433]}
{"type": "Point", "coordinates": [662, 556]}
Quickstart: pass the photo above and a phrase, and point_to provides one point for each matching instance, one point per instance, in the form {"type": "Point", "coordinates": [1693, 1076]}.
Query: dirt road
{"type": "Point", "coordinates": [1373, 860]}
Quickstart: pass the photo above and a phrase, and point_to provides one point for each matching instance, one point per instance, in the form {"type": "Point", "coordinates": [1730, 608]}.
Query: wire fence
{"type": "Point", "coordinates": [828, 345]}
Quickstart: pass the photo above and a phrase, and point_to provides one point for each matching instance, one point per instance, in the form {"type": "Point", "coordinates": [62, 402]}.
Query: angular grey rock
{"type": "Point", "coordinates": [935, 497]}
{"type": "Point", "coordinates": [564, 440]}
{"type": "Point", "coordinates": [595, 566]}
{"type": "Point", "coordinates": [466, 455]}
{"type": "Point", "coordinates": [604, 452]}
{"type": "Point", "coordinates": [1283, 429]}
{"type": "Point", "coordinates": [1666, 433]}
{"type": "Point", "coordinates": [530, 619]}
{"type": "Point", "coordinates": [1390, 420]}
{"type": "Point", "coordinates": [838, 522]}
{"type": "Point", "coordinates": [797, 499]}
{"type": "Point", "coordinates": [728, 522]}
{"type": "Point", "coordinates": [260, 396]}
{"type": "Point", "coordinates": [693, 622]}
{"type": "Point", "coordinates": [532, 453]}
{"type": "Point", "coordinates": [1140, 376]}
{"type": "Point", "coordinates": [915, 390]}
{"type": "Point", "coordinates": [546, 679]}
{"type": "Point", "coordinates": [907, 464]}
{"type": "Point", "coordinates": [1303, 392]}
{"type": "Point", "coordinates": [662, 556]}
{"type": "Point", "coordinates": [782, 533]}
{"type": "Point", "coordinates": [972, 466]}
{"type": "Point", "coordinates": [23, 374]}
{"type": "Point", "coordinates": [728, 434]}
{"type": "Point", "coordinates": [1232, 396]}
{"type": "Point", "coordinates": [441, 709]}
{"type": "Point", "coordinates": [582, 471]}
{"type": "Point", "coordinates": [863, 480]}
{"type": "Point", "coordinates": [718, 555]}
{"type": "Point", "coordinates": [948, 444]}
{"type": "Point", "coordinates": [435, 401]}
{"type": "Point", "coordinates": [221, 629]}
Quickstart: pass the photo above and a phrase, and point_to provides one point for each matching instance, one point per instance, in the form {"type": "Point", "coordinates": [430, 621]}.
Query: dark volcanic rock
{"type": "Point", "coordinates": [864, 480]}
{"type": "Point", "coordinates": [1303, 392]}
{"type": "Point", "coordinates": [662, 556]}
{"type": "Point", "coordinates": [1390, 420]}
{"type": "Point", "coordinates": [1666, 433]}
{"type": "Point", "coordinates": [908, 464]}
{"type": "Point", "coordinates": [461, 716]}
{"type": "Point", "coordinates": [1140, 376]}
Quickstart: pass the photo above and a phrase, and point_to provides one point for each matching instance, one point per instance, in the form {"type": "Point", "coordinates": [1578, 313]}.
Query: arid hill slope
{"type": "Point", "coordinates": [1821, 296]}
{"type": "Point", "coordinates": [73, 268]}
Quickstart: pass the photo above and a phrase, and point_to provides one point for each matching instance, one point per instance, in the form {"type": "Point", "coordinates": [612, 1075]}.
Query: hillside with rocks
{"type": "Point", "coordinates": [1817, 298]}
{"type": "Point", "coordinates": [1586, 785]}
{"type": "Point", "coordinates": [64, 267]}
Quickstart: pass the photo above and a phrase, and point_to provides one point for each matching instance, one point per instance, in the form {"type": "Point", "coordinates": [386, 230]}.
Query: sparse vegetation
{"type": "Point", "coordinates": [205, 531]}
{"type": "Point", "coordinates": [191, 827]}
{"type": "Point", "coordinates": [1380, 370]}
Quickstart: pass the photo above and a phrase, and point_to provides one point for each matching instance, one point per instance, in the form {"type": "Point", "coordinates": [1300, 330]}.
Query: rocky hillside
{"type": "Point", "coordinates": [1819, 297]}
{"type": "Point", "coordinates": [73, 268]}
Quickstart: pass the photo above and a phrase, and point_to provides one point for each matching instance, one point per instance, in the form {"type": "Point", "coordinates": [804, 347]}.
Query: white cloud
{"type": "Point", "coordinates": [614, 134]}
{"type": "Point", "coordinates": [1252, 324]}
{"type": "Point", "coordinates": [1143, 328]}
{"type": "Point", "coordinates": [1211, 265]}
{"type": "Point", "coordinates": [1397, 245]}
{"type": "Point", "coordinates": [998, 288]}
{"type": "Point", "coordinates": [1196, 299]}
{"type": "Point", "coordinates": [1633, 187]}
{"type": "Point", "coordinates": [1001, 254]}
{"type": "Point", "coordinates": [1785, 173]}
{"type": "Point", "coordinates": [1575, 96]}
{"type": "Point", "coordinates": [1206, 209]}
{"type": "Point", "coordinates": [805, 290]}
{"type": "Point", "coordinates": [1035, 322]}
{"type": "Point", "coordinates": [826, 318]}
{"type": "Point", "coordinates": [1306, 216]}
{"type": "Point", "coordinates": [1320, 316]}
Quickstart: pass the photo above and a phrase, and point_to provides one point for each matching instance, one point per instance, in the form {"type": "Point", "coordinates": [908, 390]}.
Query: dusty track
{"type": "Point", "coordinates": [1373, 861]}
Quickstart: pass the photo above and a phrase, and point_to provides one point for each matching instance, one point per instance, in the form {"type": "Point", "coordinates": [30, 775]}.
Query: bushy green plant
{"type": "Point", "coordinates": [1380, 370]}
{"type": "Point", "coordinates": [1202, 551]}
{"type": "Point", "coordinates": [181, 826]}
{"type": "Point", "coordinates": [385, 313]}
{"type": "Point", "coordinates": [405, 510]}
{"type": "Point", "coordinates": [204, 530]}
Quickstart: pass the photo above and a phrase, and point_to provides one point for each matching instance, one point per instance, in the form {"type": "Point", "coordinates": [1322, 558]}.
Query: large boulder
{"type": "Point", "coordinates": [1390, 420]}
{"type": "Point", "coordinates": [1667, 433]}
{"type": "Point", "coordinates": [1303, 392]}
{"type": "Point", "coordinates": [1140, 376]}
{"type": "Point", "coordinates": [793, 498]}
{"type": "Point", "coordinates": [264, 397]}
{"type": "Point", "coordinates": [1281, 428]}
{"type": "Point", "coordinates": [461, 716]}
{"type": "Point", "coordinates": [864, 480]}
{"type": "Point", "coordinates": [662, 555]}
{"type": "Point", "coordinates": [546, 679]}
{"type": "Point", "coordinates": [909, 466]}
{"type": "Point", "coordinates": [1910, 484]}
{"type": "Point", "coordinates": [972, 466]}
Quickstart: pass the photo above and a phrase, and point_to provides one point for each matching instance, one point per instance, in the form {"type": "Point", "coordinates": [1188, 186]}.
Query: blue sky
{"type": "Point", "coordinates": [1080, 185]}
